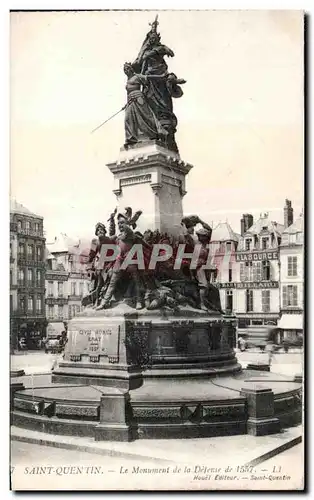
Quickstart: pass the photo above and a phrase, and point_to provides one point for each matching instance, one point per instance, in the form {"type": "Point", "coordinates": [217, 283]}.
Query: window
{"type": "Point", "coordinates": [11, 253]}
{"type": "Point", "coordinates": [266, 270]}
{"type": "Point", "coordinates": [11, 276]}
{"type": "Point", "coordinates": [21, 250]}
{"type": "Point", "coordinates": [246, 271]}
{"type": "Point", "coordinates": [11, 303]}
{"type": "Point", "coordinates": [38, 253]}
{"type": "Point", "coordinates": [242, 271]}
{"type": "Point", "coordinates": [290, 296]}
{"type": "Point", "coordinates": [19, 225]}
{"type": "Point", "coordinates": [292, 266]}
{"type": "Point", "coordinates": [60, 289]}
{"type": "Point", "coordinates": [229, 300]}
{"type": "Point", "coordinates": [30, 252]}
{"type": "Point", "coordinates": [265, 243]}
{"type": "Point", "coordinates": [244, 323]}
{"type": "Point", "coordinates": [230, 274]}
{"type": "Point", "coordinates": [248, 244]}
{"type": "Point", "coordinates": [257, 322]}
{"type": "Point", "coordinates": [228, 246]}
{"type": "Point", "coordinates": [249, 300]}
{"type": "Point", "coordinates": [38, 277]}
{"type": "Point", "coordinates": [73, 288]}
{"type": "Point", "coordinates": [50, 288]}
{"type": "Point", "coordinates": [214, 275]}
{"type": "Point", "coordinates": [30, 276]}
{"type": "Point", "coordinates": [60, 312]}
{"type": "Point", "coordinates": [77, 309]}
{"type": "Point", "coordinates": [81, 289]}
{"type": "Point", "coordinates": [22, 304]}
{"type": "Point", "coordinates": [265, 300]}
{"type": "Point", "coordinates": [50, 312]}
{"type": "Point", "coordinates": [21, 277]}
{"type": "Point", "coordinates": [30, 304]}
{"type": "Point", "coordinates": [27, 225]}
{"type": "Point", "coordinates": [257, 271]}
{"type": "Point", "coordinates": [38, 305]}
{"type": "Point", "coordinates": [36, 227]}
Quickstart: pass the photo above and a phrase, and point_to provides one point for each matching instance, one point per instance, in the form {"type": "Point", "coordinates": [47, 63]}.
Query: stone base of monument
{"type": "Point", "coordinates": [130, 374]}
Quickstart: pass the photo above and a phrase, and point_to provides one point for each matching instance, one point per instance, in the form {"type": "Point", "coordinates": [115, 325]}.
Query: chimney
{"type": "Point", "coordinates": [288, 214]}
{"type": "Point", "coordinates": [246, 222]}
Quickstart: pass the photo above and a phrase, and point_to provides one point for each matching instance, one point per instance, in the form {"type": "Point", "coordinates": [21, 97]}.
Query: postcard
{"type": "Point", "coordinates": [156, 250]}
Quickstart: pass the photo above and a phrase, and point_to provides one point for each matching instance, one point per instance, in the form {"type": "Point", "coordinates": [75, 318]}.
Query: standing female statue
{"type": "Point", "coordinates": [159, 92]}
{"type": "Point", "coordinates": [141, 122]}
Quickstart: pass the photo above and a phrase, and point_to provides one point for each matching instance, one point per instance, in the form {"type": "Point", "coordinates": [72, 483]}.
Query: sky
{"type": "Point", "coordinates": [240, 120]}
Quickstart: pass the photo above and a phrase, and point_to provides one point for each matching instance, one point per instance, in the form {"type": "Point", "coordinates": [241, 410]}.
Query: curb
{"type": "Point", "coordinates": [276, 451]}
{"type": "Point", "coordinates": [88, 449]}
{"type": "Point", "coordinates": [17, 373]}
{"type": "Point", "coordinates": [124, 454]}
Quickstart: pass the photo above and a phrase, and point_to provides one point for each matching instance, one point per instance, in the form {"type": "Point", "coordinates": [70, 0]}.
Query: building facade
{"type": "Point", "coordinates": [292, 280]}
{"type": "Point", "coordinates": [67, 281]}
{"type": "Point", "coordinates": [56, 299]}
{"type": "Point", "coordinates": [250, 272]}
{"type": "Point", "coordinates": [27, 277]}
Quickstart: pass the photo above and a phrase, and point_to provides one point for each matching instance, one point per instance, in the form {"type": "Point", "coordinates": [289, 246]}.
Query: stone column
{"type": "Point", "coordinates": [115, 416]}
{"type": "Point", "coordinates": [260, 407]}
{"type": "Point", "coordinates": [151, 178]}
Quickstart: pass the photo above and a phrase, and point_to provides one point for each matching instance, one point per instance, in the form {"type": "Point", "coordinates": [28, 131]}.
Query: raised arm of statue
{"type": "Point", "coordinates": [112, 225]}
{"type": "Point", "coordinates": [206, 226]}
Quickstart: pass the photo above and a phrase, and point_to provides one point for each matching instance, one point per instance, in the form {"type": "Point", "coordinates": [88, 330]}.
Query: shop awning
{"type": "Point", "coordinates": [291, 322]}
{"type": "Point", "coordinates": [55, 329]}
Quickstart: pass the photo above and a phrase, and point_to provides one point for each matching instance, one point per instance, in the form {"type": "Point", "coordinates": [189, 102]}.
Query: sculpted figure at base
{"type": "Point", "coordinates": [99, 277]}
{"type": "Point", "coordinates": [125, 239]}
{"type": "Point", "coordinates": [160, 287]}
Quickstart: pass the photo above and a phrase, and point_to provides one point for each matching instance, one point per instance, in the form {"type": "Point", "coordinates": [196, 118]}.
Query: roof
{"type": "Point", "coordinates": [296, 227]}
{"type": "Point", "coordinates": [265, 222]}
{"type": "Point", "coordinates": [224, 232]}
{"type": "Point", "coordinates": [62, 243]}
{"type": "Point", "coordinates": [18, 208]}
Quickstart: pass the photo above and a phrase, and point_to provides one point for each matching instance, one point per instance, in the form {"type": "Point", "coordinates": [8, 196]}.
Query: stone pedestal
{"type": "Point", "coordinates": [260, 407]}
{"type": "Point", "coordinates": [115, 415]}
{"type": "Point", "coordinates": [151, 178]}
{"type": "Point", "coordinates": [121, 347]}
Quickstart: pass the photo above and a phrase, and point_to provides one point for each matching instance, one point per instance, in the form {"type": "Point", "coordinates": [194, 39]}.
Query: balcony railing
{"type": "Point", "coordinates": [26, 261]}
{"type": "Point", "coordinates": [30, 232]}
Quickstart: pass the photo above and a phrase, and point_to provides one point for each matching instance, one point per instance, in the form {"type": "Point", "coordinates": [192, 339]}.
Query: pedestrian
{"type": "Point", "coordinates": [241, 344]}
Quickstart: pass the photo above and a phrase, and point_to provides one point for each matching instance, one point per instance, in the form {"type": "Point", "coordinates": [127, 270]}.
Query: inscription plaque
{"type": "Point", "coordinates": [98, 341]}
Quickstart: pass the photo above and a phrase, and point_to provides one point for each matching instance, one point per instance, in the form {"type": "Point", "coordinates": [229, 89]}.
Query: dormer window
{"type": "Point", "coordinates": [248, 244]}
{"type": "Point", "coordinates": [228, 246]}
{"type": "Point", "coordinates": [265, 243]}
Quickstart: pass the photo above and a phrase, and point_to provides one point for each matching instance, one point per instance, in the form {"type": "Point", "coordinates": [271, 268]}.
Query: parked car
{"type": "Point", "coordinates": [22, 344]}
{"type": "Point", "coordinates": [54, 344]}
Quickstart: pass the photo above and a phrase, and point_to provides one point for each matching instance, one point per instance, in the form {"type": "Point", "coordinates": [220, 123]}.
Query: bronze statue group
{"type": "Point", "coordinates": [161, 286]}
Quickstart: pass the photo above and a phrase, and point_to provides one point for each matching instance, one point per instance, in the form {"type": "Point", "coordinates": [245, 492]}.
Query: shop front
{"type": "Point", "coordinates": [292, 327]}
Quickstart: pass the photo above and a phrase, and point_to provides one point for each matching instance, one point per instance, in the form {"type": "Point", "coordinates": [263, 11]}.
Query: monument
{"type": "Point", "coordinates": [152, 354]}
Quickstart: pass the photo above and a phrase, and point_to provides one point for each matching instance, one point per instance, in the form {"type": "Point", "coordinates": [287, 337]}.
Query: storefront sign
{"type": "Point", "coordinates": [56, 277]}
{"type": "Point", "coordinates": [249, 285]}
{"type": "Point", "coordinates": [255, 256]}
